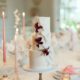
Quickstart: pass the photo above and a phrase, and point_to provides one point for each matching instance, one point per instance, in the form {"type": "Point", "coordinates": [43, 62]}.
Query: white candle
{"type": "Point", "coordinates": [16, 64]}
{"type": "Point", "coordinates": [4, 37]}
{"type": "Point", "coordinates": [23, 24]}
{"type": "Point", "coordinates": [16, 34]}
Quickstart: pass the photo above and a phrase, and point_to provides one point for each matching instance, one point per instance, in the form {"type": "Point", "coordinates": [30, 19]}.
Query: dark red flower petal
{"type": "Point", "coordinates": [37, 45]}
{"type": "Point", "coordinates": [38, 41]}
{"type": "Point", "coordinates": [37, 27]}
{"type": "Point", "coordinates": [45, 51]}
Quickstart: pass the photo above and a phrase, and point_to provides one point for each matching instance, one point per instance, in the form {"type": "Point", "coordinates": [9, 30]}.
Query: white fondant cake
{"type": "Point", "coordinates": [40, 52]}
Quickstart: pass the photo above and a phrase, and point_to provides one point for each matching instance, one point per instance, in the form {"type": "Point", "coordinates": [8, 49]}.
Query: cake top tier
{"type": "Point", "coordinates": [41, 23]}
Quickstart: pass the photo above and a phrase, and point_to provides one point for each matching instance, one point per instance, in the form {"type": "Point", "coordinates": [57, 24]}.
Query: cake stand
{"type": "Point", "coordinates": [39, 71]}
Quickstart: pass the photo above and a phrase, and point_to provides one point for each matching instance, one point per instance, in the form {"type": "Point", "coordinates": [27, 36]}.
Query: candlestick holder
{"type": "Point", "coordinates": [5, 71]}
{"type": "Point", "coordinates": [40, 76]}
{"type": "Point", "coordinates": [4, 77]}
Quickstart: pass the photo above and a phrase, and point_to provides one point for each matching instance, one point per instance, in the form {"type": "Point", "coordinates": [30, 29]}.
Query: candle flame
{"type": "Point", "coordinates": [17, 29]}
{"type": "Point", "coordinates": [3, 13]}
{"type": "Point", "coordinates": [23, 14]}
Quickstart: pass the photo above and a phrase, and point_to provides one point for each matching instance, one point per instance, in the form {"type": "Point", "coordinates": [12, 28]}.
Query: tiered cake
{"type": "Point", "coordinates": [41, 51]}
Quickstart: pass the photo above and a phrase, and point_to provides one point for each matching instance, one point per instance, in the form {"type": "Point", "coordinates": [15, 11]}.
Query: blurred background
{"type": "Point", "coordinates": [30, 7]}
{"type": "Point", "coordinates": [64, 24]}
{"type": "Point", "coordinates": [63, 13]}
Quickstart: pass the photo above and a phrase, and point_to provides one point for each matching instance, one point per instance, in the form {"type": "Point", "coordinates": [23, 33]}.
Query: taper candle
{"type": "Point", "coordinates": [4, 37]}
{"type": "Point", "coordinates": [15, 43]}
{"type": "Point", "coordinates": [16, 64]}
{"type": "Point", "coordinates": [23, 24]}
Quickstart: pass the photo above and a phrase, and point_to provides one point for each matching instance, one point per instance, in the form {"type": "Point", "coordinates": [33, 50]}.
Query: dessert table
{"type": "Point", "coordinates": [39, 71]}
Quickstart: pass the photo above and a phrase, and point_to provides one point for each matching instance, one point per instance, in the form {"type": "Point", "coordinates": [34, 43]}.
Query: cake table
{"type": "Point", "coordinates": [39, 71]}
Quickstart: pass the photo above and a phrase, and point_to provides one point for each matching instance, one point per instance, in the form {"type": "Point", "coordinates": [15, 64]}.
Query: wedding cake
{"type": "Point", "coordinates": [41, 53]}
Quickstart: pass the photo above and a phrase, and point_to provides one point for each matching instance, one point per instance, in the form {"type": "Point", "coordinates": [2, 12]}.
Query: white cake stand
{"type": "Point", "coordinates": [39, 71]}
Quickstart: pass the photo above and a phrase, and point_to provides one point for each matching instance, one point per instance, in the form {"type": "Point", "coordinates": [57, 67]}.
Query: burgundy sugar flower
{"type": "Point", "coordinates": [45, 51]}
{"type": "Point", "coordinates": [38, 41]}
{"type": "Point", "coordinates": [37, 27]}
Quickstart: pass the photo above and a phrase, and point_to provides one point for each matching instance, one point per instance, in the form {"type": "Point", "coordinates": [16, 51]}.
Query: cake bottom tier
{"type": "Point", "coordinates": [38, 62]}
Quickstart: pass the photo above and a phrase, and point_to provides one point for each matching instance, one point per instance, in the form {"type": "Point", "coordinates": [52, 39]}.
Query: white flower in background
{"type": "Point", "coordinates": [17, 18]}
{"type": "Point", "coordinates": [10, 47]}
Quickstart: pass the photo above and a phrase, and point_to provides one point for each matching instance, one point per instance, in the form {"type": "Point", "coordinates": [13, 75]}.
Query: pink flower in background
{"type": "Point", "coordinates": [69, 70]}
